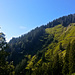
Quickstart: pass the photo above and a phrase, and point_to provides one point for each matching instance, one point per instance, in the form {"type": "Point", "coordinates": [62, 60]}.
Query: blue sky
{"type": "Point", "coordinates": [18, 17]}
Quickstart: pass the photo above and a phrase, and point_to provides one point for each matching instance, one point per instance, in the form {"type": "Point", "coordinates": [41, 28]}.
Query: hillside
{"type": "Point", "coordinates": [33, 41]}
{"type": "Point", "coordinates": [43, 59]}
{"type": "Point", "coordinates": [61, 39]}
{"type": "Point", "coordinates": [42, 47]}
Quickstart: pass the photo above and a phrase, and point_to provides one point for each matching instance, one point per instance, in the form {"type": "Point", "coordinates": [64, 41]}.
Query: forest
{"type": "Point", "coordinates": [45, 50]}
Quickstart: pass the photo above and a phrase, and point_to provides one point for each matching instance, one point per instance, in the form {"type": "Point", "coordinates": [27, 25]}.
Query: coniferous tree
{"type": "Point", "coordinates": [5, 68]}
{"type": "Point", "coordinates": [20, 67]}
{"type": "Point", "coordinates": [2, 54]}
{"type": "Point", "coordinates": [56, 65]}
{"type": "Point", "coordinates": [72, 58]}
{"type": "Point", "coordinates": [65, 69]}
{"type": "Point", "coordinates": [60, 64]}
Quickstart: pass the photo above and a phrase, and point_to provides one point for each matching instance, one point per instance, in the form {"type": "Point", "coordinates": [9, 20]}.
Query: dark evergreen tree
{"type": "Point", "coordinates": [20, 68]}
{"type": "Point", "coordinates": [66, 61]}
{"type": "Point", "coordinates": [56, 65]}
{"type": "Point", "coordinates": [72, 58]}
{"type": "Point", "coordinates": [43, 57]}
{"type": "Point", "coordinates": [5, 68]}
{"type": "Point", "coordinates": [60, 47]}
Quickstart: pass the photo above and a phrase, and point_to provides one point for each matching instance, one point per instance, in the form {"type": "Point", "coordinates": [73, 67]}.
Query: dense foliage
{"type": "Point", "coordinates": [5, 67]}
{"type": "Point", "coordinates": [46, 50]}
{"type": "Point", "coordinates": [59, 66]}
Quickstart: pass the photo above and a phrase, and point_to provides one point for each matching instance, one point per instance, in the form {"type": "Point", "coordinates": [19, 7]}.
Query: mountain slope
{"type": "Point", "coordinates": [42, 38]}
{"type": "Point", "coordinates": [43, 59]}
